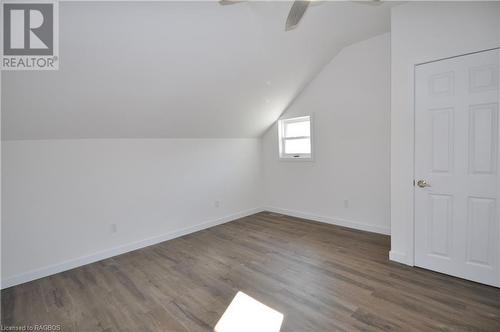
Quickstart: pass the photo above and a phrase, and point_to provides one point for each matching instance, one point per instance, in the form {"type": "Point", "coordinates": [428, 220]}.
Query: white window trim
{"type": "Point", "coordinates": [281, 140]}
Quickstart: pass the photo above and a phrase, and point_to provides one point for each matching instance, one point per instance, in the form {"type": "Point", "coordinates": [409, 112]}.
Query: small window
{"type": "Point", "coordinates": [295, 138]}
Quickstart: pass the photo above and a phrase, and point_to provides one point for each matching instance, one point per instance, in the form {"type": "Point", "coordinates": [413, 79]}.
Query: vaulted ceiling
{"type": "Point", "coordinates": [178, 69]}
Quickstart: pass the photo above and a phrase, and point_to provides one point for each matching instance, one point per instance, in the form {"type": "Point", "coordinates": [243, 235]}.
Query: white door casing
{"type": "Point", "coordinates": [457, 228]}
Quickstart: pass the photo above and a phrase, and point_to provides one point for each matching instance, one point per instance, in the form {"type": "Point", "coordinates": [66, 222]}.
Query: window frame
{"type": "Point", "coordinates": [281, 139]}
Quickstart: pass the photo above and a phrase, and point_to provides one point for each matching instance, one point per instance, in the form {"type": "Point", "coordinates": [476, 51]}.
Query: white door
{"type": "Point", "coordinates": [457, 228]}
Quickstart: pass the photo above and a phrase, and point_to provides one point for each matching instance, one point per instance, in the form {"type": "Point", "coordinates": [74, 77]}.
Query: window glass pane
{"type": "Point", "coordinates": [298, 146]}
{"type": "Point", "coordinates": [294, 129]}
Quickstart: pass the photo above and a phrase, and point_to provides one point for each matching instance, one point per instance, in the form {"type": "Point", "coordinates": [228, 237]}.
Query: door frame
{"type": "Point", "coordinates": [411, 237]}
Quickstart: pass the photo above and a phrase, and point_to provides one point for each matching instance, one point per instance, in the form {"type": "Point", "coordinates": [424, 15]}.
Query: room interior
{"type": "Point", "coordinates": [255, 166]}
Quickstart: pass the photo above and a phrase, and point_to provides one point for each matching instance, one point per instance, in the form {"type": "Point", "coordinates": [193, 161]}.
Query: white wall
{"type": "Point", "coordinates": [421, 32]}
{"type": "Point", "coordinates": [60, 197]}
{"type": "Point", "coordinates": [349, 100]}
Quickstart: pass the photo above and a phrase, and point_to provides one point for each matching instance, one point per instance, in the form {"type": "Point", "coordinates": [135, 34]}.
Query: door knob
{"type": "Point", "coordinates": [422, 184]}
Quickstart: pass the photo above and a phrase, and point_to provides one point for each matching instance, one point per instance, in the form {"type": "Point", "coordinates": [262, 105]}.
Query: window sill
{"type": "Point", "coordinates": [296, 159]}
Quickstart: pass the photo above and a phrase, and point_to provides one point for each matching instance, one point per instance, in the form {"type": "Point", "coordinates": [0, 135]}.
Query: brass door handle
{"type": "Point", "coordinates": [422, 184]}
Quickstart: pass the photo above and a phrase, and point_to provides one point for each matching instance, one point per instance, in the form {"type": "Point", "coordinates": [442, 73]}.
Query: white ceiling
{"type": "Point", "coordinates": [178, 69]}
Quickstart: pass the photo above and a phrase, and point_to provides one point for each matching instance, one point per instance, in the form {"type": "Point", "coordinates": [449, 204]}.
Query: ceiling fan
{"type": "Point", "coordinates": [298, 10]}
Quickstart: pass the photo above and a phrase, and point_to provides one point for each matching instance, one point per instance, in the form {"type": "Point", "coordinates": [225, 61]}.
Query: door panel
{"type": "Point", "coordinates": [442, 139]}
{"type": "Point", "coordinates": [440, 222]}
{"type": "Point", "coordinates": [480, 224]}
{"type": "Point", "coordinates": [457, 229]}
{"type": "Point", "coordinates": [483, 135]}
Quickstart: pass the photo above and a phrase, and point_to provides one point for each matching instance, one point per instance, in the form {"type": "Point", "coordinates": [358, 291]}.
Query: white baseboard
{"type": "Point", "coordinates": [399, 257]}
{"type": "Point", "coordinates": [80, 261]}
{"type": "Point", "coordinates": [76, 262]}
{"type": "Point", "coordinates": [331, 220]}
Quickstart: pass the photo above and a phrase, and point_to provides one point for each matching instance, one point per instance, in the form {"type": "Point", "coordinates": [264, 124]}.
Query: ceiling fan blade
{"type": "Point", "coordinates": [368, 2]}
{"type": "Point", "coordinates": [229, 2]}
{"type": "Point", "coordinates": [299, 7]}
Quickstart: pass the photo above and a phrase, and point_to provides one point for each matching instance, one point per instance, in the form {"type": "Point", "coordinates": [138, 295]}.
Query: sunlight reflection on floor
{"type": "Point", "coordinates": [245, 314]}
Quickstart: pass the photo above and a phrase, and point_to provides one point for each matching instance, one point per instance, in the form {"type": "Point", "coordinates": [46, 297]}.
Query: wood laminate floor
{"type": "Point", "coordinates": [321, 277]}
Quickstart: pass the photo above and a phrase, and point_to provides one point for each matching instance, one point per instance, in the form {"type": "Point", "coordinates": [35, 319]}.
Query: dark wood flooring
{"type": "Point", "coordinates": [321, 277]}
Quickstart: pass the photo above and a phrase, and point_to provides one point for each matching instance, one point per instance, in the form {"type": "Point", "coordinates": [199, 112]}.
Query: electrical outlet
{"type": "Point", "coordinates": [113, 228]}
{"type": "Point", "coordinates": [346, 203]}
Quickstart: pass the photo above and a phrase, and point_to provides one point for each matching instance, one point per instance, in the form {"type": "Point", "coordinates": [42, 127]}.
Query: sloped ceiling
{"type": "Point", "coordinates": [178, 69]}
